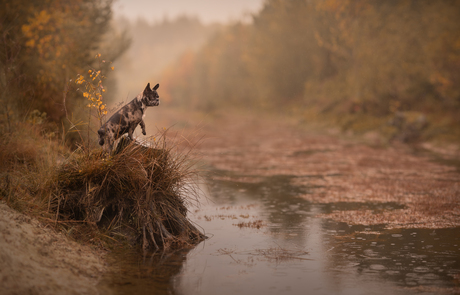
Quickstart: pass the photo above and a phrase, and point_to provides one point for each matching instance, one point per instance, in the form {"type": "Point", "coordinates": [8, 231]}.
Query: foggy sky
{"type": "Point", "coordinates": [207, 11]}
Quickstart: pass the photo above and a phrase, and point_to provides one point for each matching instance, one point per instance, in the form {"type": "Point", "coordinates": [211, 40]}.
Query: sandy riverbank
{"type": "Point", "coordinates": [38, 260]}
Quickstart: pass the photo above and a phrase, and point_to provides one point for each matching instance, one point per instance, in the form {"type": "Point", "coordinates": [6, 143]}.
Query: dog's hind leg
{"type": "Point", "coordinates": [109, 145]}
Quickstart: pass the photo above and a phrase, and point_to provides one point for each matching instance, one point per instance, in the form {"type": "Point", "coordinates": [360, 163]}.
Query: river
{"type": "Point", "coordinates": [287, 211]}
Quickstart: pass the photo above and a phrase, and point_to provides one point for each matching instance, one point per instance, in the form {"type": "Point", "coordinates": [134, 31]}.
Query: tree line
{"type": "Point", "coordinates": [334, 56]}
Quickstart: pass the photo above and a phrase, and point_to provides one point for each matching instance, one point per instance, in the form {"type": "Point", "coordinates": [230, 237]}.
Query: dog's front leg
{"type": "Point", "coordinates": [143, 127]}
{"type": "Point", "coordinates": [130, 133]}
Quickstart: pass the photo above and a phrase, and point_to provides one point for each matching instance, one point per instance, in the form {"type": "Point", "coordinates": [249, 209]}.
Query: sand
{"type": "Point", "coordinates": [38, 260]}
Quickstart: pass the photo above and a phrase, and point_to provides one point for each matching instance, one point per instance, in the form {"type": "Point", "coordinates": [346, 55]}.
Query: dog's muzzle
{"type": "Point", "coordinates": [153, 103]}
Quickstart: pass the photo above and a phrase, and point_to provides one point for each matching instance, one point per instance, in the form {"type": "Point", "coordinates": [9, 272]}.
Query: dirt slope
{"type": "Point", "coordinates": [37, 260]}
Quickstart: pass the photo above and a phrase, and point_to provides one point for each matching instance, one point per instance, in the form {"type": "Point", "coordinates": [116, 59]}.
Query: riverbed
{"type": "Point", "coordinates": [288, 210]}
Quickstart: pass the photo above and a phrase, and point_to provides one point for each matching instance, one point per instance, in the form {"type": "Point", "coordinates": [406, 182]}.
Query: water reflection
{"type": "Point", "coordinates": [132, 272]}
{"type": "Point", "coordinates": [286, 215]}
{"type": "Point", "coordinates": [294, 252]}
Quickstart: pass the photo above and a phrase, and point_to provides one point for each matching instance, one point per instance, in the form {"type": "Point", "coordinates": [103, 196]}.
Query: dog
{"type": "Point", "coordinates": [127, 118]}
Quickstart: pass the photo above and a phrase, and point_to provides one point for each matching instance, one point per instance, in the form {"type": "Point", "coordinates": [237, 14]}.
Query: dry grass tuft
{"type": "Point", "coordinates": [28, 158]}
{"type": "Point", "coordinates": [141, 193]}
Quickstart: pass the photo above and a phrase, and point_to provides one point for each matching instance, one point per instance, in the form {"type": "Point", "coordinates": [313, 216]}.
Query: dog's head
{"type": "Point", "coordinates": [150, 97]}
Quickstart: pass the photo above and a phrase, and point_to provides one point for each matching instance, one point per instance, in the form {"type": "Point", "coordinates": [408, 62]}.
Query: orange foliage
{"type": "Point", "coordinates": [47, 42]}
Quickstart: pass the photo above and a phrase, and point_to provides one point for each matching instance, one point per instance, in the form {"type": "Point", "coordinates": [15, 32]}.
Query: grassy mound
{"type": "Point", "coordinates": [140, 193]}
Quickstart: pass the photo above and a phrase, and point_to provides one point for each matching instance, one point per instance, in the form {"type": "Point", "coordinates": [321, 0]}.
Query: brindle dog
{"type": "Point", "coordinates": [128, 117]}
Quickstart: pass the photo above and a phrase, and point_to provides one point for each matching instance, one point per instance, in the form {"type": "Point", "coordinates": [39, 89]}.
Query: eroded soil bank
{"type": "Point", "coordinates": [38, 260]}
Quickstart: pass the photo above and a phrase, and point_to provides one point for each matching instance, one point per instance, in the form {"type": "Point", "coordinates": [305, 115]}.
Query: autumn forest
{"type": "Point", "coordinates": [349, 61]}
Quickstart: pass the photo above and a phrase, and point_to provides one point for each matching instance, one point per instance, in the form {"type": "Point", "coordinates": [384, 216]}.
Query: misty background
{"type": "Point", "coordinates": [392, 66]}
{"type": "Point", "coordinates": [163, 31]}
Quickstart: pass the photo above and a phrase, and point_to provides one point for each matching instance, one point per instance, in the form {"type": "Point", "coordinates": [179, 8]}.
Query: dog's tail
{"type": "Point", "coordinates": [101, 136]}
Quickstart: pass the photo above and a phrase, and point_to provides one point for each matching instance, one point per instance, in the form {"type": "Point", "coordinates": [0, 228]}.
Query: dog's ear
{"type": "Point", "coordinates": [147, 88]}
{"type": "Point", "coordinates": [156, 87]}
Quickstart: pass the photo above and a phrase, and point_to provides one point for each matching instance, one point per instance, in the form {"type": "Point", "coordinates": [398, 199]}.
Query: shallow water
{"type": "Point", "coordinates": [263, 239]}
